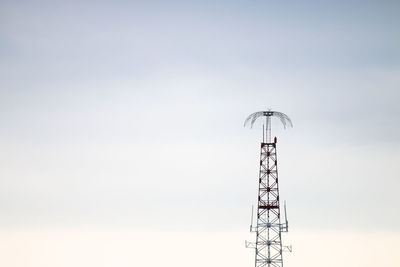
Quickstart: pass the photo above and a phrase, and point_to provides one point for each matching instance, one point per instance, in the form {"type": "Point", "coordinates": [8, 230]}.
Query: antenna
{"type": "Point", "coordinates": [286, 228]}
{"type": "Point", "coordinates": [269, 222]}
{"type": "Point", "coordinates": [268, 114]}
{"type": "Point", "coordinates": [263, 134]}
{"type": "Point", "coordinates": [251, 223]}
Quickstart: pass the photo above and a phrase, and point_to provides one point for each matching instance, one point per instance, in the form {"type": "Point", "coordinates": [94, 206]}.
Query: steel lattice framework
{"type": "Point", "coordinates": [268, 245]}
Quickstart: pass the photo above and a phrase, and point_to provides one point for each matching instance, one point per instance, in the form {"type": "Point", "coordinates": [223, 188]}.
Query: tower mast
{"type": "Point", "coordinates": [268, 246]}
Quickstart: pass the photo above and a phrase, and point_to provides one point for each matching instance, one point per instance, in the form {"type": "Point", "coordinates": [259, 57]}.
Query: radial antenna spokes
{"type": "Point", "coordinates": [251, 119]}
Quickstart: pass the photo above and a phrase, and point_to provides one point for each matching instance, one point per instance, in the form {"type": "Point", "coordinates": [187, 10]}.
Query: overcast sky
{"type": "Point", "coordinates": [130, 114]}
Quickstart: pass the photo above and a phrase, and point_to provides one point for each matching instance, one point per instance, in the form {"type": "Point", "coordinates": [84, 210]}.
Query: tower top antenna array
{"type": "Point", "coordinates": [251, 119]}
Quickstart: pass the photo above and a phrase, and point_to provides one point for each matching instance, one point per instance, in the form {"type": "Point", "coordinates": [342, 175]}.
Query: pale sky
{"type": "Point", "coordinates": [122, 123]}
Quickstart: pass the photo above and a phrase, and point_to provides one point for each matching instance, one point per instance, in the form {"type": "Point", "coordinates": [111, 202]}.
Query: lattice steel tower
{"type": "Point", "coordinates": [269, 227]}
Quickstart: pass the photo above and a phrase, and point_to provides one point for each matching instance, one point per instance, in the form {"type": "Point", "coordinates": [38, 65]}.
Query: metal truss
{"type": "Point", "coordinates": [268, 245]}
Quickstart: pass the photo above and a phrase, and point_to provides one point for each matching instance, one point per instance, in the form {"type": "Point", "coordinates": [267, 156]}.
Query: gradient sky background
{"type": "Point", "coordinates": [122, 139]}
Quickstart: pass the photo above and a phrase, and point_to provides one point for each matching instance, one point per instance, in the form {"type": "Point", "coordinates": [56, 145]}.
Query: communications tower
{"type": "Point", "coordinates": [270, 225]}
